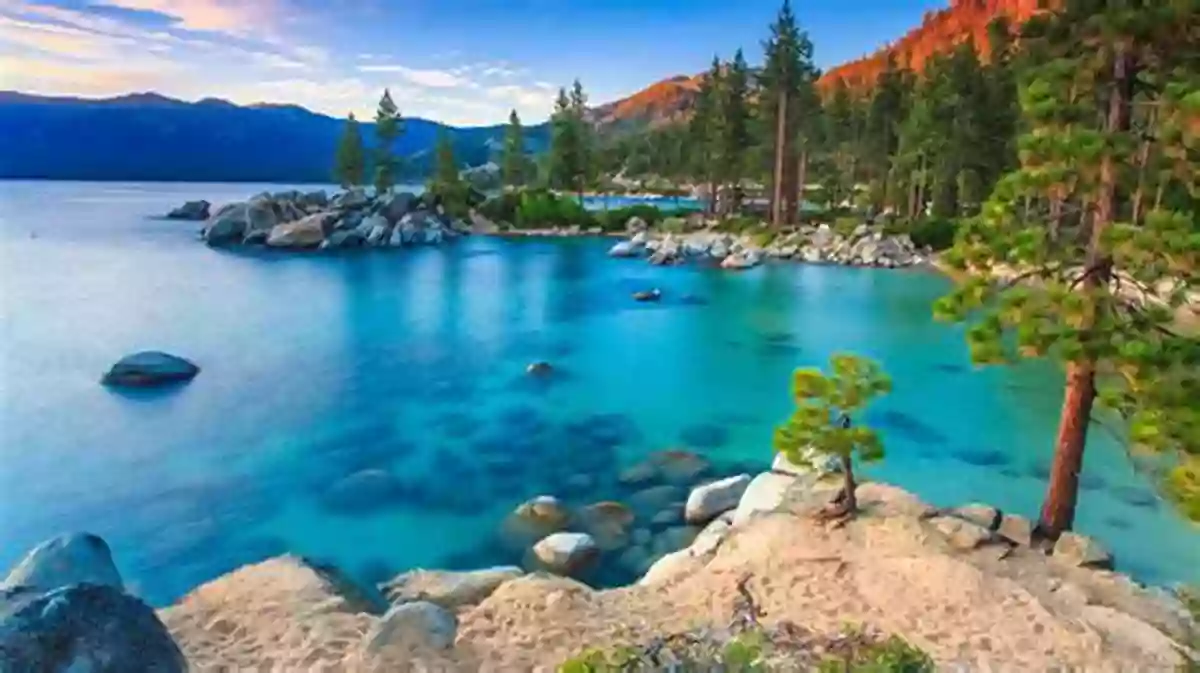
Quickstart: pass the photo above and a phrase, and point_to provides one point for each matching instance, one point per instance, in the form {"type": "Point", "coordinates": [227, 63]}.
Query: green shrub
{"type": "Point", "coordinates": [894, 655]}
{"type": "Point", "coordinates": [673, 225]}
{"type": "Point", "coordinates": [937, 233]}
{"type": "Point", "coordinates": [501, 208]}
{"type": "Point", "coordinates": [846, 224]}
{"type": "Point", "coordinates": [539, 209]}
{"type": "Point", "coordinates": [763, 238]}
{"type": "Point", "coordinates": [738, 224]}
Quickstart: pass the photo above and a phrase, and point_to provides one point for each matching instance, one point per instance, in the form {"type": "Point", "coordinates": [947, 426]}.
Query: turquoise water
{"type": "Point", "coordinates": [316, 366]}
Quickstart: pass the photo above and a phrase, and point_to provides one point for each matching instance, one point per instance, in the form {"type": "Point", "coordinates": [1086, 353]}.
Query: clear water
{"type": "Point", "coordinates": [315, 366]}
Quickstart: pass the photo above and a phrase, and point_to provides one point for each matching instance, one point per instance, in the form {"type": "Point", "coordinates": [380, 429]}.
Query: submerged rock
{"type": "Point", "coordinates": [539, 368]}
{"type": "Point", "coordinates": [609, 523]}
{"type": "Point", "coordinates": [532, 521]}
{"type": "Point", "coordinates": [75, 558]}
{"type": "Point", "coordinates": [149, 368]}
{"type": "Point", "coordinates": [648, 295]}
{"type": "Point", "coordinates": [1074, 549]}
{"type": "Point", "coordinates": [83, 628]}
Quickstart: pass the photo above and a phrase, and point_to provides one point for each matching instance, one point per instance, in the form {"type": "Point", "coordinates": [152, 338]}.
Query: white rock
{"type": "Point", "coordinates": [625, 249]}
{"type": "Point", "coordinates": [638, 238]}
{"type": "Point", "coordinates": [765, 493]}
{"type": "Point", "coordinates": [671, 566]}
{"type": "Point", "coordinates": [709, 500]}
{"type": "Point", "coordinates": [811, 461]}
{"type": "Point", "coordinates": [566, 553]}
{"type": "Point", "coordinates": [446, 588]}
{"type": "Point", "coordinates": [712, 536]}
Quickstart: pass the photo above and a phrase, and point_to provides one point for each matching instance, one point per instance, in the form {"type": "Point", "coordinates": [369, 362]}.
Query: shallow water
{"type": "Point", "coordinates": [316, 366]}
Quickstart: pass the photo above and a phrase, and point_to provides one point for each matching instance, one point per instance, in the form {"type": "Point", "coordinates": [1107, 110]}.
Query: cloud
{"type": "Point", "coordinates": [435, 79]}
{"type": "Point", "coordinates": [58, 39]}
{"type": "Point", "coordinates": [523, 96]}
{"type": "Point", "coordinates": [225, 16]}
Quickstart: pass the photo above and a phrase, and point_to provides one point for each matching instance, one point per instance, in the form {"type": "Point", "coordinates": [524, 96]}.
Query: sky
{"type": "Point", "coordinates": [462, 62]}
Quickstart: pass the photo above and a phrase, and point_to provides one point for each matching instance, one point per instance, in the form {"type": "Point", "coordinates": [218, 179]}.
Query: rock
{"type": "Point", "coordinates": [316, 198]}
{"type": "Point", "coordinates": [305, 233]}
{"type": "Point", "coordinates": [397, 238]}
{"type": "Point", "coordinates": [636, 559]}
{"type": "Point", "coordinates": [532, 521]}
{"type": "Point", "coordinates": [705, 502]}
{"type": "Point", "coordinates": [640, 473]}
{"type": "Point", "coordinates": [192, 210]}
{"type": "Point", "coordinates": [667, 252]}
{"type": "Point", "coordinates": [539, 368]}
{"type": "Point", "coordinates": [669, 516]}
{"type": "Point", "coordinates": [481, 224]}
{"type": "Point", "coordinates": [1156, 651]}
{"type": "Point", "coordinates": [434, 235]}
{"type": "Point", "coordinates": [812, 461]}
{"type": "Point", "coordinates": [636, 224]}
{"type": "Point", "coordinates": [227, 226]}
{"type": "Point", "coordinates": [670, 567]}
{"type": "Point", "coordinates": [448, 589]}
{"type": "Point", "coordinates": [566, 553]}
{"type": "Point", "coordinates": [638, 239]}
{"type": "Point", "coordinates": [351, 199]}
{"type": "Point", "coordinates": [608, 523]}
{"type": "Point", "coordinates": [719, 249]}
{"type": "Point", "coordinates": [765, 493]}
{"type": "Point", "coordinates": [395, 206]}
{"type": "Point", "coordinates": [712, 536]}
{"type": "Point", "coordinates": [83, 628]}
{"type": "Point", "coordinates": [982, 515]}
{"type": "Point", "coordinates": [344, 239]}
{"type": "Point", "coordinates": [1081, 551]}
{"type": "Point", "coordinates": [681, 468]}
{"type": "Point", "coordinates": [648, 295]}
{"type": "Point", "coordinates": [149, 368]}
{"type": "Point", "coordinates": [625, 249]}
{"type": "Point", "coordinates": [741, 260]}
{"type": "Point", "coordinates": [418, 625]}
{"type": "Point", "coordinates": [75, 558]}
{"type": "Point", "coordinates": [376, 229]}
{"type": "Point", "coordinates": [654, 499]}
{"type": "Point", "coordinates": [961, 534]}
{"type": "Point", "coordinates": [261, 215]}
{"type": "Point", "coordinates": [350, 221]}
{"type": "Point", "coordinates": [1016, 529]}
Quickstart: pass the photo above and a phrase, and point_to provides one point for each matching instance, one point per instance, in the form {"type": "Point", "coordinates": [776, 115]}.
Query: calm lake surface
{"type": "Point", "coordinates": [317, 366]}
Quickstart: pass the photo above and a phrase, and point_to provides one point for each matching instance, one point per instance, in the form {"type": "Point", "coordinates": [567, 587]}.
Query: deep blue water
{"type": "Point", "coordinates": [315, 366]}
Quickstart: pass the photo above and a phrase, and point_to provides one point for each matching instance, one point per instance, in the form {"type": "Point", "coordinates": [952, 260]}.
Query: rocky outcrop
{"type": "Point", "coordinates": [64, 609]}
{"type": "Point", "coordinates": [864, 246]}
{"type": "Point", "coordinates": [192, 210]}
{"type": "Point", "coordinates": [705, 502]}
{"type": "Point", "coordinates": [448, 589]}
{"type": "Point", "coordinates": [148, 369]}
{"type": "Point", "coordinates": [351, 219]}
{"type": "Point", "coordinates": [411, 626]}
{"type": "Point", "coordinates": [566, 553]}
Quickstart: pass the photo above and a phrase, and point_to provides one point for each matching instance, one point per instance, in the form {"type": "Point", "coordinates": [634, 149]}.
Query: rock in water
{"type": "Point", "coordinates": [539, 368]}
{"type": "Point", "coordinates": [227, 226]}
{"type": "Point", "coordinates": [149, 368]}
{"type": "Point", "coordinates": [648, 295]}
{"type": "Point", "coordinates": [705, 502]}
{"type": "Point", "coordinates": [192, 210]}
{"type": "Point", "coordinates": [625, 249]}
{"type": "Point", "coordinates": [566, 553]}
{"type": "Point", "coordinates": [305, 233]}
{"type": "Point", "coordinates": [83, 628]}
{"type": "Point", "coordinates": [75, 558]}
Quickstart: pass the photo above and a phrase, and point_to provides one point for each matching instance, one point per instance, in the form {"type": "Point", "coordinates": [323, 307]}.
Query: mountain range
{"type": "Point", "coordinates": [147, 136]}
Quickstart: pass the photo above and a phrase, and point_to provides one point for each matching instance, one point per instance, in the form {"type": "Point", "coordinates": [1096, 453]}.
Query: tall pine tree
{"type": "Point", "coordinates": [387, 130]}
{"type": "Point", "coordinates": [787, 65]}
{"type": "Point", "coordinates": [349, 168]}
{"type": "Point", "coordinates": [513, 160]}
{"type": "Point", "coordinates": [734, 125]}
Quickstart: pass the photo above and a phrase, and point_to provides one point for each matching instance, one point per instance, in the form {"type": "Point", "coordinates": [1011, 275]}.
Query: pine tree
{"type": "Point", "coordinates": [787, 65]}
{"type": "Point", "coordinates": [823, 422]}
{"type": "Point", "coordinates": [587, 165]}
{"type": "Point", "coordinates": [388, 128]}
{"type": "Point", "coordinates": [513, 160]}
{"type": "Point", "coordinates": [1062, 222]}
{"type": "Point", "coordinates": [569, 155]}
{"type": "Point", "coordinates": [446, 176]}
{"type": "Point", "coordinates": [733, 128]}
{"type": "Point", "coordinates": [350, 163]}
{"type": "Point", "coordinates": [704, 132]}
{"type": "Point", "coordinates": [885, 114]}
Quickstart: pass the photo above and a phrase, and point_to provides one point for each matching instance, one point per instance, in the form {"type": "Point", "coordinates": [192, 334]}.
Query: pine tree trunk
{"type": "Point", "coordinates": [780, 146]}
{"type": "Point", "coordinates": [849, 486]}
{"type": "Point", "coordinates": [802, 178]}
{"type": "Point", "coordinates": [1058, 509]}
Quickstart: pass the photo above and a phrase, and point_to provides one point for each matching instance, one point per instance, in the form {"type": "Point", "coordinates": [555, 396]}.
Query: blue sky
{"type": "Point", "coordinates": [458, 61]}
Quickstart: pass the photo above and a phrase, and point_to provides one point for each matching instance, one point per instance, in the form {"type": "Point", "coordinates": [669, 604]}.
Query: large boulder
{"type": "Point", "coordinates": [765, 493]}
{"type": "Point", "coordinates": [363, 491]}
{"type": "Point", "coordinates": [305, 233]}
{"type": "Point", "coordinates": [83, 628]}
{"type": "Point", "coordinates": [745, 259]}
{"type": "Point", "coordinates": [315, 199]}
{"type": "Point", "coordinates": [810, 461]}
{"type": "Point", "coordinates": [396, 205]}
{"type": "Point", "coordinates": [960, 533]}
{"type": "Point", "coordinates": [149, 368]}
{"type": "Point", "coordinates": [566, 553]}
{"type": "Point", "coordinates": [75, 558]}
{"type": "Point", "coordinates": [408, 626]}
{"type": "Point", "coordinates": [679, 467]}
{"type": "Point", "coordinates": [636, 224]}
{"type": "Point", "coordinates": [705, 502]}
{"type": "Point", "coordinates": [227, 226]}
{"type": "Point", "coordinates": [192, 210]}
{"type": "Point", "coordinates": [262, 214]}
{"type": "Point", "coordinates": [449, 589]}
{"type": "Point", "coordinates": [609, 523]}
{"type": "Point", "coordinates": [377, 229]}
{"type": "Point", "coordinates": [344, 239]}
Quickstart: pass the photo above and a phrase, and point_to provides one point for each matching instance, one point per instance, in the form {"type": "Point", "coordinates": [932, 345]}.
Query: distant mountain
{"type": "Point", "coordinates": [672, 99]}
{"type": "Point", "coordinates": [147, 136]}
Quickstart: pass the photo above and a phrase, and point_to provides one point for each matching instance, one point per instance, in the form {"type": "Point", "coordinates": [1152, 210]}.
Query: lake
{"type": "Point", "coordinates": [315, 366]}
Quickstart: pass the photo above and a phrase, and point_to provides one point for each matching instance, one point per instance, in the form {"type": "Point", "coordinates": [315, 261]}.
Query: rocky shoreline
{"type": "Point", "coordinates": [970, 585]}
{"type": "Point", "coordinates": [864, 246]}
